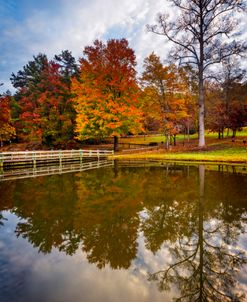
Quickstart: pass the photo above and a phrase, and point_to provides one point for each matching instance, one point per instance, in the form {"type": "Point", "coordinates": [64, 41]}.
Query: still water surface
{"type": "Point", "coordinates": [150, 233]}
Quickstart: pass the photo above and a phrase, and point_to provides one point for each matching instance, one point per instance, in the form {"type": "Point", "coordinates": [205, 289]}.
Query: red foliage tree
{"type": "Point", "coordinates": [7, 131]}
{"type": "Point", "coordinates": [46, 108]}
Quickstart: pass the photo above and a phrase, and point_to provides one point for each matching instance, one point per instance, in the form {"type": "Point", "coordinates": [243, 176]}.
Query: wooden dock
{"type": "Point", "coordinates": [23, 158]}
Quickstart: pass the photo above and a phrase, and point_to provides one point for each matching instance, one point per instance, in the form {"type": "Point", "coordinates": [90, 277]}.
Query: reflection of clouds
{"type": "Point", "coordinates": [243, 240]}
{"type": "Point", "coordinates": [242, 276]}
{"type": "Point", "coordinates": [57, 277]}
{"type": "Point", "coordinates": [148, 260]}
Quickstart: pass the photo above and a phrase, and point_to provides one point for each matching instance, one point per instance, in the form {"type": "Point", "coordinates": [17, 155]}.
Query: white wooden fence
{"type": "Point", "coordinates": [33, 157]}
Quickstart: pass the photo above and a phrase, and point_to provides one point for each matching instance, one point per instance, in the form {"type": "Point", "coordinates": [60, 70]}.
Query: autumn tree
{"type": "Point", "coordinates": [27, 121]}
{"type": "Point", "coordinates": [166, 94]}
{"type": "Point", "coordinates": [67, 65]}
{"type": "Point", "coordinates": [7, 131]}
{"type": "Point", "coordinates": [234, 95]}
{"type": "Point", "coordinates": [153, 94]}
{"type": "Point", "coordinates": [201, 34]}
{"type": "Point", "coordinates": [106, 92]}
{"type": "Point", "coordinates": [226, 99]}
{"type": "Point", "coordinates": [54, 106]}
{"type": "Point", "coordinates": [43, 96]}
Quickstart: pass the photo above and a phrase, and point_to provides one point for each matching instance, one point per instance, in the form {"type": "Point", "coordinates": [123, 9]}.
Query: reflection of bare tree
{"type": "Point", "coordinates": [2, 219]}
{"type": "Point", "coordinates": [205, 264]}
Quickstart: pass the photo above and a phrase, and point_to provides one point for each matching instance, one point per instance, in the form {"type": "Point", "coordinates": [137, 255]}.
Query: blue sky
{"type": "Point", "coordinates": [28, 27]}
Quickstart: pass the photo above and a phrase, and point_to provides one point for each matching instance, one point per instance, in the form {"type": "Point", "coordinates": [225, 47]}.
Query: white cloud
{"type": "Point", "coordinates": [77, 24]}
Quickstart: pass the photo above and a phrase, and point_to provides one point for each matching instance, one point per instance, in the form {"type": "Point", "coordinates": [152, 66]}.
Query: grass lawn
{"type": "Point", "coordinates": [221, 151]}
{"type": "Point", "coordinates": [231, 155]}
{"type": "Point", "coordinates": [146, 139]}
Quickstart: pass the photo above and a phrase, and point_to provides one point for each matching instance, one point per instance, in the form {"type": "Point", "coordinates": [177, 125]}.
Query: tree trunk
{"type": "Point", "coordinates": [201, 112]}
{"type": "Point", "coordinates": [167, 141]}
{"type": "Point", "coordinates": [228, 130]}
{"type": "Point", "coordinates": [188, 132]}
{"type": "Point", "coordinates": [200, 229]}
{"type": "Point", "coordinates": [170, 139]}
{"type": "Point", "coordinates": [115, 143]}
{"type": "Point", "coordinates": [174, 140]}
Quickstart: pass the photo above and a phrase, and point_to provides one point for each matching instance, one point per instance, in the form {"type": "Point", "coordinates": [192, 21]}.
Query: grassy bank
{"type": "Point", "coordinates": [226, 155]}
{"type": "Point", "coordinates": [146, 139]}
{"type": "Point", "coordinates": [226, 150]}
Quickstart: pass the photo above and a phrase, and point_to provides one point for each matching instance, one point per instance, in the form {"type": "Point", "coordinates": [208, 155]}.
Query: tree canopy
{"type": "Point", "coordinates": [106, 92]}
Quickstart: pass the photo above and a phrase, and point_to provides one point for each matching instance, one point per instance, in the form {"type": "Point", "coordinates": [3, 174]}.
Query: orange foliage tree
{"type": "Point", "coordinates": [166, 96]}
{"type": "Point", "coordinates": [106, 92]}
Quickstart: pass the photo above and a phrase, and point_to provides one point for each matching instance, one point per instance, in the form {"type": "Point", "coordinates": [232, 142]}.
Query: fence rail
{"type": "Point", "coordinates": [33, 157]}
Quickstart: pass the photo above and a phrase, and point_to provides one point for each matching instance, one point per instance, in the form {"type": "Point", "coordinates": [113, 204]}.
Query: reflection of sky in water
{"type": "Point", "coordinates": [27, 275]}
{"type": "Point", "coordinates": [242, 243]}
{"type": "Point", "coordinates": [57, 277]}
{"type": "Point", "coordinates": [106, 210]}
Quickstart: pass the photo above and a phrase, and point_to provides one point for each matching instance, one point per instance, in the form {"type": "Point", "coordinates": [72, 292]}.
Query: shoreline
{"type": "Point", "coordinates": [184, 157]}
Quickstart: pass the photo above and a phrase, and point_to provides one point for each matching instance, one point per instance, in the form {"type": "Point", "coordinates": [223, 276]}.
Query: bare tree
{"type": "Point", "coordinates": [204, 34]}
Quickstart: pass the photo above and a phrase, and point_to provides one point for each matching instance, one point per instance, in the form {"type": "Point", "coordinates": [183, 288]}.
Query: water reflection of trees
{"type": "Point", "coordinates": [205, 259]}
{"type": "Point", "coordinates": [109, 218]}
{"type": "Point", "coordinates": [94, 211]}
{"type": "Point", "coordinates": [99, 214]}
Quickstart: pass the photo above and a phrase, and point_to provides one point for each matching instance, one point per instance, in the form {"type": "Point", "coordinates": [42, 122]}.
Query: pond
{"type": "Point", "coordinates": [126, 232]}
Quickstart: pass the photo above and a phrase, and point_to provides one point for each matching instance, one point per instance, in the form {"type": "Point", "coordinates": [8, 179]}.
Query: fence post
{"type": "Point", "coordinates": [60, 158]}
{"type": "Point", "coordinates": [34, 159]}
{"type": "Point", "coordinates": [1, 161]}
{"type": "Point", "coordinates": [98, 154]}
{"type": "Point", "coordinates": [81, 155]}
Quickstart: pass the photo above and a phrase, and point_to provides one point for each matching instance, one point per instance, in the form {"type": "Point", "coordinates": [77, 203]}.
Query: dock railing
{"type": "Point", "coordinates": [33, 157]}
